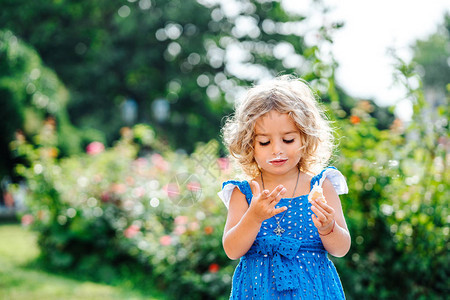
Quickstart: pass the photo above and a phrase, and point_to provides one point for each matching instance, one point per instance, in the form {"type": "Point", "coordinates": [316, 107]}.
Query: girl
{"type": "Point", "coordinates": [280, 137]}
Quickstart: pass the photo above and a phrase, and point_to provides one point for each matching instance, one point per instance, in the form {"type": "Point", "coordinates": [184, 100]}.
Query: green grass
{"type": "Point", "coordinates": [21, 278]}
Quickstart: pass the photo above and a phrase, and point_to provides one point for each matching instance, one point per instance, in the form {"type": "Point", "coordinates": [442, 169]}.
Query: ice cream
{"type": "Point", "coordinates": [316, 192]}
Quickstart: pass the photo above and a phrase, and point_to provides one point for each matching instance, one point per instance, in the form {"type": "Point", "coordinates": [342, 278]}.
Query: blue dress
{"type": "Point", "coordinates": [291, 266]}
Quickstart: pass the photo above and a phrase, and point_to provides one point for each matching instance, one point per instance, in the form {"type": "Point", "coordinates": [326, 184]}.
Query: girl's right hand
{"type": "Point", "coordinates": [262, 206]}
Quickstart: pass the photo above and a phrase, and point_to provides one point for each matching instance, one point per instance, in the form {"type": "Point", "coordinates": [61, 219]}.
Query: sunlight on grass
{"type": "Point", "coordinates": [17, 245]}
{"type": "Point", "coordinates": [17, 281]}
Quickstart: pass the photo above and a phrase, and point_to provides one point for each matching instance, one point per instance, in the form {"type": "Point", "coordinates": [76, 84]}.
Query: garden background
{"type": "Point", "coordinates": [111, 155]}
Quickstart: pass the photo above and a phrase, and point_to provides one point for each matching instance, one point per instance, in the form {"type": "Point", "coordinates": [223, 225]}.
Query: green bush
{"type": "Point", "coordinates": [107, 207]}
{"type": "Point", "coordinates": [397, 207]}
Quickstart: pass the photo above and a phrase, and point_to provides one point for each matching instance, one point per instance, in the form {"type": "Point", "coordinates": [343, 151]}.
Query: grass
{"type": "Point", "coordinates": [21, 277]}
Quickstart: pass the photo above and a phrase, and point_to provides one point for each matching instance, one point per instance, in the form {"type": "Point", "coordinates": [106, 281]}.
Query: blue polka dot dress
{"type": "Point", "coordinates": [291, 266]}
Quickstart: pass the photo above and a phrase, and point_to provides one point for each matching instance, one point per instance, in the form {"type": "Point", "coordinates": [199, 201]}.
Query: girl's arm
{"type": "Point", "coordinates": [330, 222]}
{"type": "Point", "coordinates": [244, 221]}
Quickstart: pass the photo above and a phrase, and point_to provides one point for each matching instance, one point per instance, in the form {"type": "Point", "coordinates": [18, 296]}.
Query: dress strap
{"type": "Point", "coordinates": [335, 176]}
{"type": "Point", "coordinates": [228, 187]}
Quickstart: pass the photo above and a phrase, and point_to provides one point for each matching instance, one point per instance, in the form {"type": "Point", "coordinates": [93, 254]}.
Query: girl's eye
{"type": "Point", "coordinates": [264, 144]}
{"type": "Point", "coordinates": [288, 141]}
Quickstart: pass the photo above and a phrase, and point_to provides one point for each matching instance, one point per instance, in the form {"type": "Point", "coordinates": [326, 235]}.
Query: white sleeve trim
{"type": "Point", "coordinates": [337, 180]}
{"type": "Point", "coordinates": [225, 193]}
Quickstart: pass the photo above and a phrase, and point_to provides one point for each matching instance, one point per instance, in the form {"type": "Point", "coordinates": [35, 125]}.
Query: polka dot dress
{"type": "Point", "coordinates": [291, 266]}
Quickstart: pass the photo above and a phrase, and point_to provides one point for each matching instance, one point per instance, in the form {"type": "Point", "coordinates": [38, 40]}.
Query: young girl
{"type": "Point", "coordinates": [280, 137]}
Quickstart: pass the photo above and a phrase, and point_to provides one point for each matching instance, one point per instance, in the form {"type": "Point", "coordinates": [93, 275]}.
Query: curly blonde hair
{"type": "Point", "coordinates": [285, 94]}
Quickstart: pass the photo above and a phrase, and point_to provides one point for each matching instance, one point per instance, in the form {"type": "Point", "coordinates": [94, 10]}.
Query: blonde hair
{"type": "Point", "coordinates": [285, 94]}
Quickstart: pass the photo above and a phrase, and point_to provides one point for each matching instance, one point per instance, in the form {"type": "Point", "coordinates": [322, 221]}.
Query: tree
{"type": "Point", "coordinates": [185, 57]}
{"type": "Point", "coordinates": [431, 56]}
{"type": "Point", "coordinates": [430, 60]}
{"type": "Point", "coordinates": [30, 93]}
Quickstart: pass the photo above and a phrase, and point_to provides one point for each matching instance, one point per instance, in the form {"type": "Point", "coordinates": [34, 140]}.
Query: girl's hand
{"type": "Point", "coordinates": [263, 203]}
{"type": "Point", "coordinates": [324, 216]}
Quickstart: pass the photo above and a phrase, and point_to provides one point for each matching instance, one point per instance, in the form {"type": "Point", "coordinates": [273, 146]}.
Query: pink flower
{"type": "Point", "coordinates": [118, 188]}
{"type": "Point", "coordinates": [141, 162]}
{"type": "Point", "coordinates": [224, 163]}
{"type": "Point", "coordinates": [95, 148]}
{"type": "Point", "coordinates": [172, 190]}
{"type": "Point", "coordinates": [214, 268]}
{"type": "Point", "coordinates": [9, 199]}
{"type": "Point", "coordinates": [130, 180]}
{"type": "Point", "coordinates": [165, 240]}
{"type": "Point", "coordinates": [131, 231]}
{"type": "Point", "coordinates": [27, 220]}
{"type": "Point", "coordinates": [194, 226]}
{"type": "Point", "coordinates": [98, 178]}
{"type": "Point", "coordinates": [194, 186]}
{"type": "Point", "coordinates": [105, 197]}
{"type": "Point", "coordinates": [180, 229]}
{"type": "Point", "coordinates": [139, 192]}
{"type": "Point", "coordinates": [181, 220]}
{"type": "Point", "coordinates": [159, 162]}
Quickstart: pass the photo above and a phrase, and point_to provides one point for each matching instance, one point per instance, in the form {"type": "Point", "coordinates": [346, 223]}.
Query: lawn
{"type": "Point", "coordinates": [20, 278]}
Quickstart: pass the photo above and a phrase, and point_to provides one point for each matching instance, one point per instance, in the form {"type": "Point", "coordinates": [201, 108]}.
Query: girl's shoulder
{"type": "Point", "coordinates": [228, 187]}
{"type": "Point", "coordinates": [334, 176]}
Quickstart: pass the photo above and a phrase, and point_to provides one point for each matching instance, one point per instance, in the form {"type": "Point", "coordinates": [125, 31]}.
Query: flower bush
{"type": "Point", "coordinates": [112, 205]}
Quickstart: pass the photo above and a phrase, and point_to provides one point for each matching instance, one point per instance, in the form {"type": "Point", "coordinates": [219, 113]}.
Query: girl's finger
{"type": "Point", "coordinates": [322, 210]}
{"type": "Point", "coordinates": [325, 206]}
{"type": "Point", "coordinates": [274, 203]}
{"type": "Point", "coordinates": [255, 188]}
{"type": "Point", "coordinates": [265, 194]}
{"type": "Point", "coordinates": [319, 214]}
{"type": "Point", "coordinates": [272, 196]}
{"type": "Point", "coordinates": [316, 221]}
{"type": "Point", "coordinates": [278, 196]}
{"type": "Point", "coordinates": [278, 210]}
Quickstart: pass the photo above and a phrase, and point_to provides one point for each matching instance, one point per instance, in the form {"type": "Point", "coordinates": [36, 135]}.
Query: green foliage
{"type": "Point", "coordinates": [431, 55]}
{"type": "Point", "coordinates": [26, 88]}
{"type": "Point", "coordinates": [32, 98]}
{"type": "Point", "coordinates": [397, 208]}
{"type": "Point", "coordinates": [27, 84]}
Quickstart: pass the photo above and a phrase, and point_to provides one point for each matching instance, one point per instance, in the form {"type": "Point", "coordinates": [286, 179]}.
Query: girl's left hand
{"type": "Point", "coordinates": [324, 216]}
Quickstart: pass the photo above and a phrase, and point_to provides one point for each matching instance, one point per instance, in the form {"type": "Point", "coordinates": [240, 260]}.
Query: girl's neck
{"type": "Point", "coordinates": [272, 180]}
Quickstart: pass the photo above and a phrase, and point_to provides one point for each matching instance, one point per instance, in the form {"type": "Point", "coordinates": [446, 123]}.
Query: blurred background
{"type": "Point", "coordinates": [111, 155]}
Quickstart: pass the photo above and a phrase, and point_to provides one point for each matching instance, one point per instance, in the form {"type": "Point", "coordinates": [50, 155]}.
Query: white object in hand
{"type": "Point", "coordinates": [316, 192]}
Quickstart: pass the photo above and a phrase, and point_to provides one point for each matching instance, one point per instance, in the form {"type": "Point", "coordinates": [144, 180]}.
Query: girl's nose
{"type": "Point", "coordinates": [276, 148]}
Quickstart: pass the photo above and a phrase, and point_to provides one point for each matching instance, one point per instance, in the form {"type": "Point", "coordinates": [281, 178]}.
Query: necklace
{"type": "Point", "coordinates": [279, 230]}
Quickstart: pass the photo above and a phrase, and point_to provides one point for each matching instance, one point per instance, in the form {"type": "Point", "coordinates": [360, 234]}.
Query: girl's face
{"type": "Point", "coordinates": [277, 143]}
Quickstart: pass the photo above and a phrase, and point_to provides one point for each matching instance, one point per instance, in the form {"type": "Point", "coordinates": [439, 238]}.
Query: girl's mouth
{"type": "Point", "coordinates": [277, 161]}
